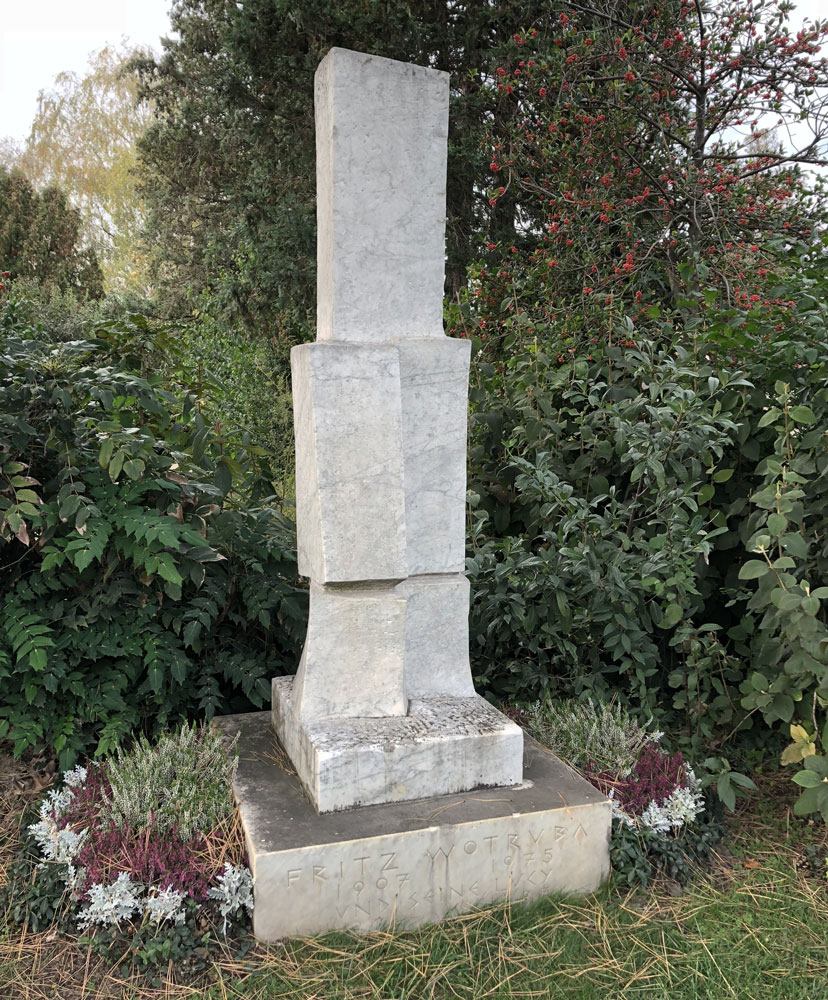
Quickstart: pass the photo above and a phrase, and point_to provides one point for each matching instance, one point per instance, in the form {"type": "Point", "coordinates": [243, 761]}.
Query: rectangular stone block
{"type": "Point", "coordinates": [402, 865]}
{"type": "Point", "coordinates": [350, 501]}
{"type": "Point", "coordinates": [442, 745]}
{"type": "Point", "coordinates": [381, 145]}
{"type": "Point", "coordinates": [353, 661]}
{"type": "Point", "coordinates": [434, 378]}
{"type": "Point", "coordinates": [437, 637]}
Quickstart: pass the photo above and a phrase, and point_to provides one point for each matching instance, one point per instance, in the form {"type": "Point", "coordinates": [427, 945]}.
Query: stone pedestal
{"type": "Point", "coordinates": [406, 864]}
{"type": "Point", "coordinates": [441, 745]}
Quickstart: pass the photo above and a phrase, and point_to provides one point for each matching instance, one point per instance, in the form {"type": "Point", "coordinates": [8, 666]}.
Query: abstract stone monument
{"type": "Point", "coordinates": [382, 709]}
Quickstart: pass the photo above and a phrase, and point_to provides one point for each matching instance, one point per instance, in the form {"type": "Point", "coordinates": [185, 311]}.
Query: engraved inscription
{"type": "Point", "coordinates": [434, 879]}
{"type": "Point", "coordinates": [441, 851]}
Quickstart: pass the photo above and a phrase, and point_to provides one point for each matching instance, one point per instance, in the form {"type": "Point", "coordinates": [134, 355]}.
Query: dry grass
{"type": "Point", "coordinates": [755, 929]}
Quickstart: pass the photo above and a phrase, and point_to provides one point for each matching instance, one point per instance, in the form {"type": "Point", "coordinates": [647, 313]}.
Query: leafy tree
{"type": "Point", "coordinates": [83, 140]}
{"type": "Point", "coordinates": [10, 152]}
{"type": "Point", "coordinates": [40, 238]}
{"type": "Point", "coordinates": [228, 163]}
{"type": "Point", "coordinates": [645, 144]}
{"type": "Point", "coordinates": [608, 341]}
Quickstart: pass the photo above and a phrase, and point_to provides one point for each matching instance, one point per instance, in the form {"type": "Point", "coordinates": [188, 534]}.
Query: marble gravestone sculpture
{"type": "Point", "coordinates": [383, 708]}
{"type": "Point", "coordinates": [403, 795]}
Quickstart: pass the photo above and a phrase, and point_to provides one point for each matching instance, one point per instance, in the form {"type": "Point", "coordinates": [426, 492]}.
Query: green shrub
{"type": "Point", "coordinates": [649, 515]}
{"type": "Point", "coordinates": [592, 479]}
{"type": "Point", "coordinates": [639, 855]}
{"type": "Point", "coordinates": [146, 572]}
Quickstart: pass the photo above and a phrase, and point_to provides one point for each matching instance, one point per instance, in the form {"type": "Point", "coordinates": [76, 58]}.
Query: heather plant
{"type": "Point", "coordinates": [661, 818]}
{"type": "Point", "coordinates": [597, 736]}
{"type": "Point", "coordinates": [182, 781]}
{"type": "Point", "coordinates": [153, 857]}
{"type": "Point", "coordinates": [138, 886]}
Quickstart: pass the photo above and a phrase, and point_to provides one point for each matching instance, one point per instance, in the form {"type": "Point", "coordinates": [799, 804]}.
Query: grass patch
{"type": "Point", "coordinates": [753, 929]}
{"type": "Point", "coordinates": [760, 935]}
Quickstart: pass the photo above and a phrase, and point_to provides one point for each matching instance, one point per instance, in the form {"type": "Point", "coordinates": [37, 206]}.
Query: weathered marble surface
{"type": "Point", "coordinates": [442, 745]}
{"type": "Point", "coordinates": [376, 711]}
{"type": "Point", "coordinates": [350, 490]}
{"type": "Point", "coordinates": [406, 864]}
{"type": "Point", "coordinates": [381, 146]}
{"type": "Point", "coordinates": [437, 636]}
{"type": "Point", "coordinates": [434, 380]}
{"type": "Point", "coordinates": [353, 661]}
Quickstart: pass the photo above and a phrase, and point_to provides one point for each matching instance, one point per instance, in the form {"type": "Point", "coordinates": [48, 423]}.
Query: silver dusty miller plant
{"type": "Point", "coordinates": [59, 845]}
{"type": "Point", "coordinates": [183, 781]}
{"type": "Point", "coordinates": [123, 899]}
{"type": "Point", "coordinates": [681, 806]}
{"type": "Point", "coordinates": [233, 890]}
{"type": "Point", "coordinates": [168, 904]}
{"type": "Point", "coordinates": [110, 904]}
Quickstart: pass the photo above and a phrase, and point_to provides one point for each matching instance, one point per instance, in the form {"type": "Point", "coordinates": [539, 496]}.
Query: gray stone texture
{"type": "Point", "coordinates": [437, 636]}
{"type": "Point", "coordinates": [441, 745]}
{"type": "Point", "coordinates": [350, 497]}
{"type": "Point", "coordinates": [381, 144]}
{"type": "Point", "coordinates": [434, 379]}
{"type": "Point", "coordinates": [406, 864]}
{"type": "Point", "coordinates": [383, 707]}
{"type": "Point", "coordinates": [353, 661]}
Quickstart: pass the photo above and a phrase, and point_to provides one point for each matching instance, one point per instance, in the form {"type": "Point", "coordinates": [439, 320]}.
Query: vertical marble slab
{"type": "Point", "coordinates": [352, 663]}
{"type": "Point", "coordinates": [434, 379]}
{"type": "Point", "coordinates": [383, 706]}
{"type": "Point", "coordinates": [381, 148]}
{"type": "Point", "coordinates": [349, 462]}
{"type": "Point", "coordinates": [437, 637]}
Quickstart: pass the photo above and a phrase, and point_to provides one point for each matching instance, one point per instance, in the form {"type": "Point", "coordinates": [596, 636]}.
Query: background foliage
{"type": "Point", "coordinates": [40, 240]}
{"type": "Point", "coordinates": [147, 573]}
{"type": "Point", "coordinates": [639, 260]}
{"type": "Point", "coordinates": [83, 141]}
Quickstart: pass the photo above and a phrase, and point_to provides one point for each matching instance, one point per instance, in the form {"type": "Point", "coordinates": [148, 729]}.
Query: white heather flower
{"type": "Point", "coordinates": [112, 903]}
{"type": "Point", "coordinates": [166, 905]}
{"type": "Point", "coordinates": [233, 890]}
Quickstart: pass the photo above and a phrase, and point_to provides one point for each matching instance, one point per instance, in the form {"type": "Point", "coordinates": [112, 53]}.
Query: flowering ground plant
{"type": "Point", "coordinates": [108, 855]}
{"type": "Point", "coordinates": [663, 820]}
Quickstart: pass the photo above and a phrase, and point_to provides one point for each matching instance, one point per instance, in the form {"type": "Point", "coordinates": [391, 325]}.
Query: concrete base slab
{"type": "Point", "coordinates": [442, 745]}
{"type": "Point", "coordinates": [411, 863]}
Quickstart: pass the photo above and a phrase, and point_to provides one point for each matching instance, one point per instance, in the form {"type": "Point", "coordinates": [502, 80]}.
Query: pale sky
{"type": "Point", "coordinates": [41, 38]}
